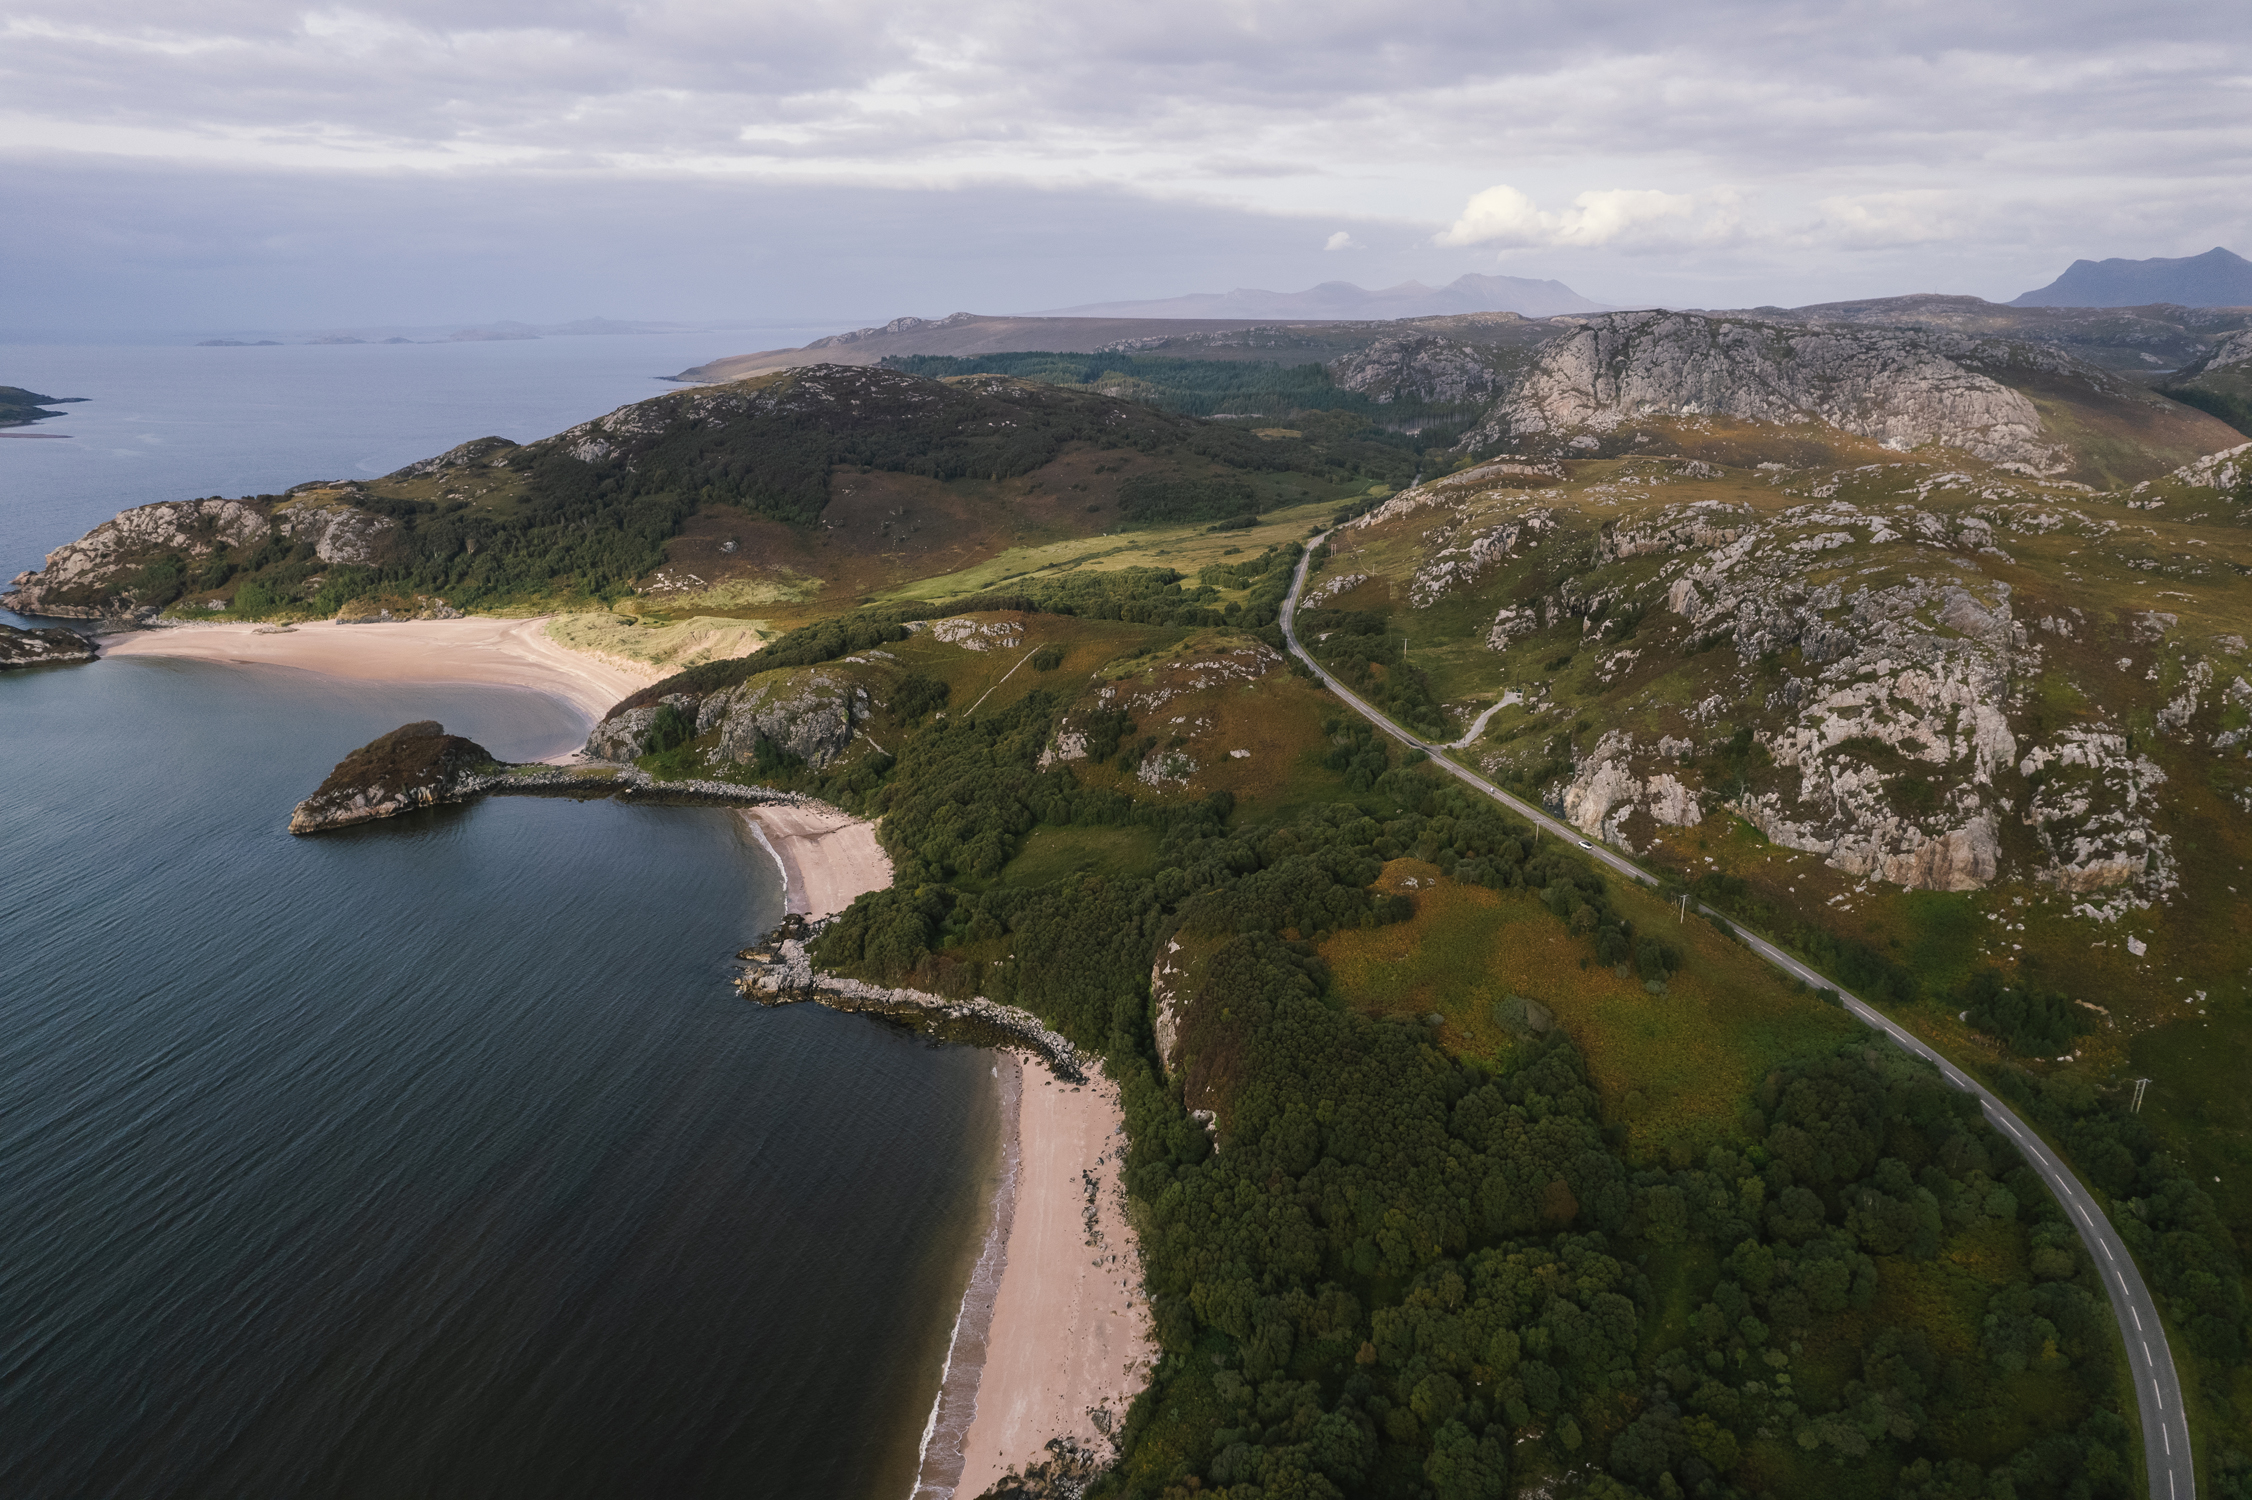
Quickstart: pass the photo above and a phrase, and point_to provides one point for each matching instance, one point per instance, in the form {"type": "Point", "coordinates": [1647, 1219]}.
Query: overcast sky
{"type": "Point", "coordinates": [213, 164]}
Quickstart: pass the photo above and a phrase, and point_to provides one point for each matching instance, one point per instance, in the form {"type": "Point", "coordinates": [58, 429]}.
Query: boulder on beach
{"type": "Point", "coordinates": [416, 765]}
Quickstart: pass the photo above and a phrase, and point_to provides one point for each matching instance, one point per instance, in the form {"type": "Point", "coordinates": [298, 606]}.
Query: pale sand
{"type": "Point", "coordinates": [827, 858]}
{"type": "Point", "coordinates": [519, 653]}
{"type": "Point", "coordinates": [1070, 1331]}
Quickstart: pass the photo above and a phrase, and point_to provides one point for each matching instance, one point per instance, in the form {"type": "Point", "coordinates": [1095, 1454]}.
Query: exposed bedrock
{"type": "Point", "coordinates": [1897, 386]}
{"type": "Point", "coordinates": [808, 714]}
{"type": "Point", "coordinates": [414, 766]}
{"type": "Point", "coordinates": [42, 648]}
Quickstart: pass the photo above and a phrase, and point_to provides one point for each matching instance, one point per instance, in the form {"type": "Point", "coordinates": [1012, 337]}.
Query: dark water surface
{"type": "Point", "coordinates": [433, 1158]}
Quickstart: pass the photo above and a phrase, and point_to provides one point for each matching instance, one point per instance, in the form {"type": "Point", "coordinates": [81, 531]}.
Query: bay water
{"type": "Point", "coordinates": [436, 1157]}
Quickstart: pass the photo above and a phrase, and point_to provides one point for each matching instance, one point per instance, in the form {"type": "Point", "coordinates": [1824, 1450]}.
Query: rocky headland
{"type": "Point", "coordinates": [43, 648]}
{"type": "Point", "coordinates": [420, 765]}
{"type": "Point", "coordinates": [414, 766]}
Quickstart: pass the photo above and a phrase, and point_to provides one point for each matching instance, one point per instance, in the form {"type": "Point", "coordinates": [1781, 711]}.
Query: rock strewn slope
{"type": "Point", "coordinates": [1906, 669]}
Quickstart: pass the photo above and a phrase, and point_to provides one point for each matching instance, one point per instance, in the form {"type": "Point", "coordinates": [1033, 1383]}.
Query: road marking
{"type": "Point", "coordinates": [2107, 1255]}
{"type": "Point", "coordinates": [2146, 1351]}
{"type": "Point", "coordinates": [2083, 1213]}
{"type": "Point", "coordinates": [2161, 1395]}
{"type": "Point", "coordinates": [2138, 1317]}
{"type": "Point", "coordinates": [2168, 1438]}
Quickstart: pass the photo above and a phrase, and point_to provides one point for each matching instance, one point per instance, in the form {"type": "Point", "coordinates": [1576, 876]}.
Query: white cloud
{"type": "Point", "coordinates": [1503, 216]}
{"type": "Point", "coordinates": [1883, 221]}
{"type": "Point", "coordinates": [1341, 241]}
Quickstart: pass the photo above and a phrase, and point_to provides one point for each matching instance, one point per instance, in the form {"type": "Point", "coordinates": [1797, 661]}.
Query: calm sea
{"type": "Point", "coordinates": [434, 1158]}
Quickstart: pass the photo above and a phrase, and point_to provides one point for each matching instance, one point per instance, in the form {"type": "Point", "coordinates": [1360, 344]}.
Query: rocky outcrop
{"type": "Point", "coordinates": [2217, 471]}
{"type": "Point", "coordinates": [1606, 791]}
{"type": "Point", "coordinates": [781, 971]}
{"type": "Point", "coordinates": [809, 715]}
{"type": "Point", "coordinates": [43, 648]}
{"type": "Point", "coordinates": [92, 578]}
{"type": "Point", "coordinates": [414, 766]}
{"type": "Point", "coordinates": [1419, 367]}
{"type": "Point", "coordinates": [102, 574]}
{"type": "Point", "coordinates": [1897, 386]}
{"type": "Point", "coordinates": [804, 714]}
{"type": "Point", "coordinates": [625, 736]}
{"type": "Point", "coordinates": [477, 453]}
{"type": "Point", "coordinates": [338, 532]}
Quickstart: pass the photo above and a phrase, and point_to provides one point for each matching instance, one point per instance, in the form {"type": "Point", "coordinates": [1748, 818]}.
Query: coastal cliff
{"type": "Point", "coordinates": [414, 766]}
{"type": "Point", "coordinates": [43, 648]}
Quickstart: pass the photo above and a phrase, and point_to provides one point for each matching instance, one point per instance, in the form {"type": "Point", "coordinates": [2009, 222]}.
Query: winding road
{"type": "Point", "coordinates": [2158, 1389]}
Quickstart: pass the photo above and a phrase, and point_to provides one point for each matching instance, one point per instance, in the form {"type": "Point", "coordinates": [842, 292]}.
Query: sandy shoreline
{"type": "Point", "coordinates": [827, 857]}
{"type": "Point", "coordinates": [513, 653]}
{"type": "Point", "coordinates": [1070, 1333]}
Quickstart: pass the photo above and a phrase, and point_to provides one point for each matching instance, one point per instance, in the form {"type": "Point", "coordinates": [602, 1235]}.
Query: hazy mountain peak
{"type": "Point", "coordinates": [2218, 278]}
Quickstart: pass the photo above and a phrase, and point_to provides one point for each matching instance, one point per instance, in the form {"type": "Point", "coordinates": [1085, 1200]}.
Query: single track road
{"type": "Point", "coordinates": [2158, 1389]}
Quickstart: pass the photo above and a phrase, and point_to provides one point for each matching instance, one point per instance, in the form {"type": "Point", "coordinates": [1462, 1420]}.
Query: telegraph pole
{"type": "Point", "coordinates": [2136, 1107]}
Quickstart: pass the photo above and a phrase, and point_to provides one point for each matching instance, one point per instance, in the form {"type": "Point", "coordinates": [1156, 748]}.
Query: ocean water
{"type": "Point", "coordinates": [163, 422]}
{"type": "Point", "coordinates": [437, 1157]}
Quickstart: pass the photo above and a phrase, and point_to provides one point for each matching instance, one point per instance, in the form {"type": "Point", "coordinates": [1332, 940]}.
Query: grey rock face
{"type": "Point", "coordinates": [625, 737]}
{"type": "Point", "coordinates": [809, 714]}
{"type": "Point", "coordinates": [84, 579]}
{"type": "Point", "coordinates": [339, 534]}
{"type": "Point", "coordinates": [1419, 367]}
{"type": "Point", "coordinates": [1898, 386]}
{"type": "Point", "coordinates": [414, 766]}
{"type": "Point", "coordinates": [42, 648]}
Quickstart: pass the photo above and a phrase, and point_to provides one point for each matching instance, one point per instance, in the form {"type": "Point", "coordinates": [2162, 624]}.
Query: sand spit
{"type": "Point", "coordinates": [515, 653]}
{"type": "Point", "coordinates": [1070, 1343]}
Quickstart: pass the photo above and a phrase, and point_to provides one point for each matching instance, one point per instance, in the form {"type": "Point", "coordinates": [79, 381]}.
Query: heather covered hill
{"type": "Point", "coordinates": [831, 475]}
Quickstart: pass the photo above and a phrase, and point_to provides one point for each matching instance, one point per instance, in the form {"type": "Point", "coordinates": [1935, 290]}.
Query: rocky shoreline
{"type": "Point", "coordinates": [420, 765]}
{"type": "Point", "coordinates": [43, 648]}
{"type": "Point", "coordinates": [780, 971]}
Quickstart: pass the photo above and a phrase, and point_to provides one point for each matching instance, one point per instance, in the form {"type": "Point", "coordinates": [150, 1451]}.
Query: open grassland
{"type": "Point", "coordinates": [1183, 548]}
{"type": "Point", "coordinates": [1674, 1069]}
{"type": "Point", "coordinates": [1052, 854]}
{"type": "Point", "coordinates": [673, 643]}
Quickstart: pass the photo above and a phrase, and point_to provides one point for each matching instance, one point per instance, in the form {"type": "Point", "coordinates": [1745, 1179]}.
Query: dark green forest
{"type": "Point", "coordinates": [1391, 1272]}
{"type": "Point", "coordinates": [1219, 388]}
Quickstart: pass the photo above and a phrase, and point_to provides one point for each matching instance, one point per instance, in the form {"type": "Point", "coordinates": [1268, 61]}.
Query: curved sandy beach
{"type": "Point", "coordinates": [514, 653]}
{"type": "Point", "coordinates": [828, 858]}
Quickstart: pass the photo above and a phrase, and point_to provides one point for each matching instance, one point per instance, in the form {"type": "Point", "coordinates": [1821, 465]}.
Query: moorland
{"type": "Point", "coordinates": [1461, 1167]}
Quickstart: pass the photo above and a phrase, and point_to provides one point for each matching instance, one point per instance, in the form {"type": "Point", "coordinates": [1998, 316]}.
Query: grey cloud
{"type": "Point", "coordinates": [1826, 147]}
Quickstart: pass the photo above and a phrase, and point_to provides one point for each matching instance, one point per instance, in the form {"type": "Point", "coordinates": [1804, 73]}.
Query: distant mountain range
{"type": "Point", "coordinates": [2218, 278]}
{"type": "Point", "coordinates": [1344, 300]}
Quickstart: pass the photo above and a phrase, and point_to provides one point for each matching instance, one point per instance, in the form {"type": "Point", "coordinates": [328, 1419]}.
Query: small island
{"type": "Point", "coordinates": [54, 647]}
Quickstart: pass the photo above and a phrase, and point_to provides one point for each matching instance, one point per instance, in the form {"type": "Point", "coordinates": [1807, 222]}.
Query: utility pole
{"type": "Point", "coordinates": [1684, 906]}
{"type": "Point", "coordinates": [2136, 1108]}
